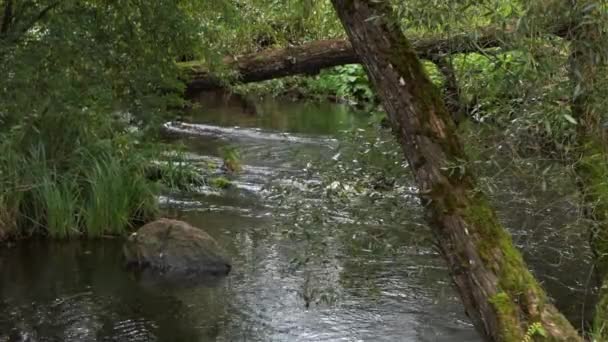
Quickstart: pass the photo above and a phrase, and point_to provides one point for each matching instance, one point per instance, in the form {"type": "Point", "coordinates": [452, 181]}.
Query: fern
{"type": "Point", "coordinates": [535, 329]}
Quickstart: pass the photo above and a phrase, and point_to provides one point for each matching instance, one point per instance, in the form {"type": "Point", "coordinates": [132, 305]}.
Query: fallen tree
{"type": "Point", "coordinates": [310, 58]}
{"type": "Point", "coordinates": [305, 59]}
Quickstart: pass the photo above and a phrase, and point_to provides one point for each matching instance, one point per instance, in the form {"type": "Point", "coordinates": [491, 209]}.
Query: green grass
{"type": "Point", "coordinates": [94, 192]}
{"type": "Point", "coordinates": [59, 204]}
{"type": "Point", "coordinates": [175, 174]}
{"type": "Point", "coordinates": [231, 159]}
{"type": "Point", "coordinates": [117, 197]}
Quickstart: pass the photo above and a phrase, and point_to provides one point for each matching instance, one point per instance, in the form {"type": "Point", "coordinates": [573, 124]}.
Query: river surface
{"type": "Point", "coordinates": [317, 256]}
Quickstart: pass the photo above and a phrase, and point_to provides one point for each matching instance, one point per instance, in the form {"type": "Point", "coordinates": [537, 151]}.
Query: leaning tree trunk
{"type": "Point", "coordinates": [500, 295]}
{"type": "Point", "coordinates": [587, 71]}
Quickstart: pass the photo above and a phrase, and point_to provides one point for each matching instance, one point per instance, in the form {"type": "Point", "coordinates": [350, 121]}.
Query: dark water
{"type": "Point", "coordinates": [306, 267]}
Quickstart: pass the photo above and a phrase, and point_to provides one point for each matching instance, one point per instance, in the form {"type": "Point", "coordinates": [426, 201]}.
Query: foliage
{"type": "Point", "coordinates": [512, 91]}
{"type": "Point", "coordinates": [89, 194]}
{"type": "Point", "coordinates": [119, 197]}
{"type": "Point", "coordinates": [348, 82]}
{"type": "Point", "coordinates": [441, 16]}
{"type": "Point", "coordinates": [523, 88]}
{"type": "Point", "coordinates": [175, 173]}
{"type": "Point", "coordinates": [275, 23]}
{"type": "Point", "coordinates": [535, 329]}
{"type": "Point", "coordinates": [85, 84]}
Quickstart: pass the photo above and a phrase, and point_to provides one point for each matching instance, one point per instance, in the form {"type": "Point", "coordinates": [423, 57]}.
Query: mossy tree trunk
{"type": "Point", "coordinates": [500, 295]}
{"type": "Point", "coordinates": [588, 75]}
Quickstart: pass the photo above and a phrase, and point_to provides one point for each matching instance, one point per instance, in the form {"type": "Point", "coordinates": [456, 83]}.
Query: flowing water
{"type": "Point", "coordinates": [306, 266]}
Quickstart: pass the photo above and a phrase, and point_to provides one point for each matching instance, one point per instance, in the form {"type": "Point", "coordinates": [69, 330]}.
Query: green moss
{"type": "Point", "coordinates": [517, 285]}
{"type": "Point", "coordinates": [521, 299]}
{"type": "Point", "coordinates": [503, 304]}
{"type": "Point", "coordinates": [497, 250]}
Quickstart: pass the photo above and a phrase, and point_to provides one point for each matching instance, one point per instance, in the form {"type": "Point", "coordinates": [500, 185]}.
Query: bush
{"type": "Point", "coordinates": [348, 82]}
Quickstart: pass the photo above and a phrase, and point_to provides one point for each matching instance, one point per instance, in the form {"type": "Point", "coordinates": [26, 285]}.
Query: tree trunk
{"type": "Point", "coordinates": [587, 70]}
{"type": "Point", "coordinates": [500, 295]}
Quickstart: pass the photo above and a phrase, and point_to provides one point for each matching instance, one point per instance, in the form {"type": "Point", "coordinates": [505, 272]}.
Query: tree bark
{"type": "Point", "coordinates": [500, 295]}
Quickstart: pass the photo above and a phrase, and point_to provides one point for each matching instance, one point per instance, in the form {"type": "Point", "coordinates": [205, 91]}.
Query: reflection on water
{"type": "Point", "coordinates": [367, 278]}
{"type": "Point", "coordinates": [277, 116]}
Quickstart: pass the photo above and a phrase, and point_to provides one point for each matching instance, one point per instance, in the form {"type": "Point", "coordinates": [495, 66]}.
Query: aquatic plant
{"type": "Point", "coordinates": [220, 182]}
{"type": "Point", "coordinates": [231, 159]}
{"type": "Point", "coordinates": [175, 174]}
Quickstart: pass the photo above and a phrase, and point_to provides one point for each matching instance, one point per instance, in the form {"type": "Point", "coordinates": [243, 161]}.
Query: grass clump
{"type": "Point", "coordinates": [59, 204]}
{"type": "Point", "coordinates": [119, 197]}
{"type": "Point", "coordinates": [92, 191]}
{"type": "Point", "coordinates": [175, 174]}
{"type": "Point", "coordinates": [231, 159]}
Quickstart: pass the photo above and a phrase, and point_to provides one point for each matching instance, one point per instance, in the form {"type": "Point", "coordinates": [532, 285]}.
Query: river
{"type": "Point", "coordinates": [317, 256]}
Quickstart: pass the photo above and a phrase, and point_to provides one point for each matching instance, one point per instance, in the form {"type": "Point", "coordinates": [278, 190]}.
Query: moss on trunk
{"type": "Point", "coordinates": [500, 295]}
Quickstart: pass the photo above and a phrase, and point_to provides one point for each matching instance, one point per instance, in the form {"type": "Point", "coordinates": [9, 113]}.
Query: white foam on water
{"type": "Point", "coordinates": [239, 132]}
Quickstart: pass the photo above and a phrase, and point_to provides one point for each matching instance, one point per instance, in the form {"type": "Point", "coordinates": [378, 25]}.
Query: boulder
{"type": "Point", "coordinates": [175, 247]}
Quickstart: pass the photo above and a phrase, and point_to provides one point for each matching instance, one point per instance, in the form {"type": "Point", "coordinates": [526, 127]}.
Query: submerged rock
{"type": "Point", "coordinates": [175, 248]}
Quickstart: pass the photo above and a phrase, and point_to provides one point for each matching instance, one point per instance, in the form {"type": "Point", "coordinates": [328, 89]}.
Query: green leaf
{"type": "Point", "coordinates": [570, 119]}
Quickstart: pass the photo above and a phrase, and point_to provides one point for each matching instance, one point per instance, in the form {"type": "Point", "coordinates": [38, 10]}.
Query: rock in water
{"type": "Point", "coordinates": [175, 247]}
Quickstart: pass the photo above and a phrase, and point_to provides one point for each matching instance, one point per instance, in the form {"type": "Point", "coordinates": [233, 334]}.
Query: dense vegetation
{"type": "Point", "coordinates": [86, 85]}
